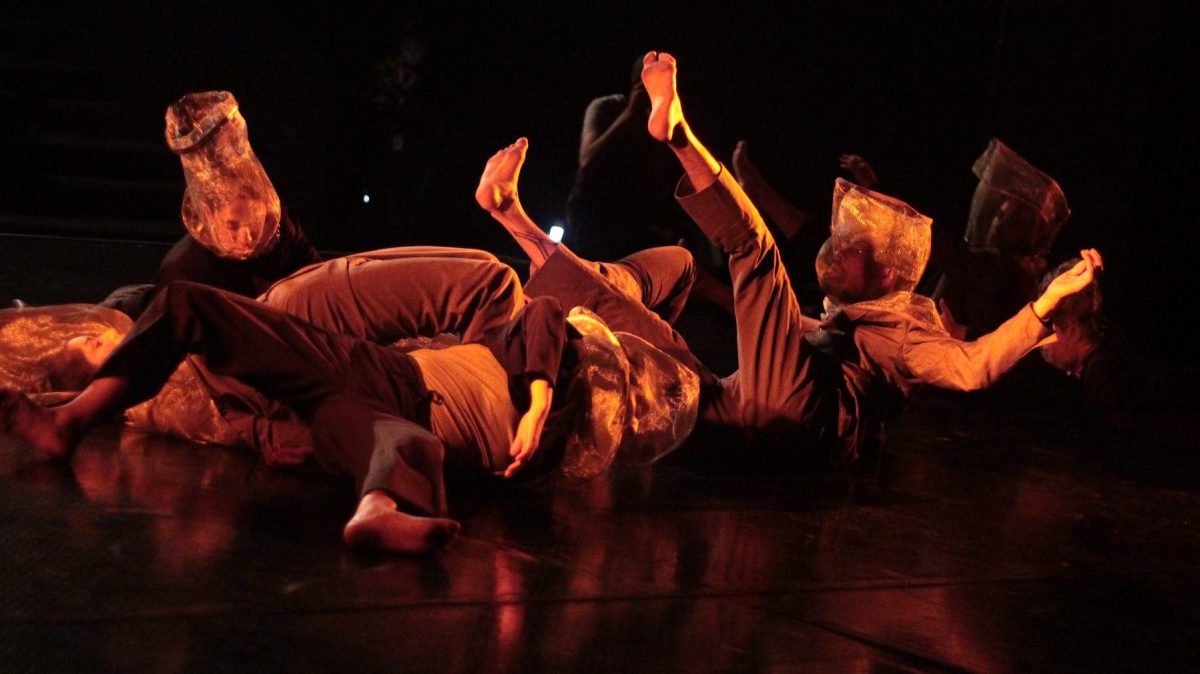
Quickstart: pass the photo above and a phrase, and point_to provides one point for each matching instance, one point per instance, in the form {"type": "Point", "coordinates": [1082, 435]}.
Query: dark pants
{"type": "Point", "coordinates": [366, 403]}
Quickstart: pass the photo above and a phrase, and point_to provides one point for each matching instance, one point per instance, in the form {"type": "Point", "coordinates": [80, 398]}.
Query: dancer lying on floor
{"type": "Point", "coordinates": [369, 406]}
{"type": "Point", "coordinates": [835, 383]}
{"type": "Point", "coordinates": [382, 296]}
{"type": "Point", "coordinates": [801, 382]}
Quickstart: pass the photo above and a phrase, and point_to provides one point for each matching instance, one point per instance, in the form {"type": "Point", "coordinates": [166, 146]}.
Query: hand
{"type": "Point", "coordinates": [1069, 282]}
{"type": "Point", "coordinates": [1078, 277]}
{"type": "Point", "coordinates": [639, 100]}
{"type": "Point", "coordinates": [861, 169]}
{"type": "Point", "coordinates": [529, 429]}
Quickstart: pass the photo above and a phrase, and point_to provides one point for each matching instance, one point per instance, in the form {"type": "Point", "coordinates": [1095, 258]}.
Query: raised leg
{"type": "Point", "coordinates": [776, 382]}
{"type": "Point", "coordinates": [497, 194]}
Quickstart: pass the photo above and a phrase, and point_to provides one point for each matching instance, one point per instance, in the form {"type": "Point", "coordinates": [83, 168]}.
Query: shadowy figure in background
{"type": "Point", "coordinates": [396, 141]}
{"type": "Point", "coordinates": [1016, 214]}
{"type": "Point", "coordinates": [621, 202]}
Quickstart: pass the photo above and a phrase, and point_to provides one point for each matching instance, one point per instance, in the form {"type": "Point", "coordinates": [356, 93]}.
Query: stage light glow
{"type": "Point", "coordinates": [556, 234]}
{"type": "Point", "coordinates": [366, 198]}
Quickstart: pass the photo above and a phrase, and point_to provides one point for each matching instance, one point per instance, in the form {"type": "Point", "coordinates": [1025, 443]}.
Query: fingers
{"type": "Point", "coordinates": [521, 450]}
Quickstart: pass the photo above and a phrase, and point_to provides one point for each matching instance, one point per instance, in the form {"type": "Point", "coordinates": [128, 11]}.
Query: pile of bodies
{"type": "Point", "coordinates": [395, 366]}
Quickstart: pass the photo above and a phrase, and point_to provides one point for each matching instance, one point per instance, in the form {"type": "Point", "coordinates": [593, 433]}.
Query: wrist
{"type": "Point", "coordinates": [1042, 307]}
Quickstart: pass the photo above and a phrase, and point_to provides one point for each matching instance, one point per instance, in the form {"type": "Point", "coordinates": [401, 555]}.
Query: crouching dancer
{"type": "Point", "coordinates": [394, 420]}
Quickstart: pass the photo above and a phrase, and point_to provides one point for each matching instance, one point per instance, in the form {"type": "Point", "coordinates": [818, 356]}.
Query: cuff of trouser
{"type": "Point", "coordinates": [722, 211]}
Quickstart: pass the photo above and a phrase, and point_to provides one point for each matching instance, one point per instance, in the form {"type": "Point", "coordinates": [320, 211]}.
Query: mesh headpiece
{"type": "Point", "coordinates": [1016, 209]}
{"type": "Point", "coordinates": [899, 235]}
{"type": "Point", "coordinates": [229, 206]}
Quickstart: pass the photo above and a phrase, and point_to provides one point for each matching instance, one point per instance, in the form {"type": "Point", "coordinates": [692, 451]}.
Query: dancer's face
{"type": "Point", "coordinates": [232, 226]}
{"type": "Point", "coordinates": [93, 350]}
{"type": "Point", "coordinates": [848, 272]}
{"type": "Point", "coordinates": [1070, 350]}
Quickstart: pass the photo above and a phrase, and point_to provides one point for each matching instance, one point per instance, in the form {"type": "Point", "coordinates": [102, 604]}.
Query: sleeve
{"type": "Point", "coordinates": [933, 357]}
{"type": "Point", "coordinates": [531, 345]}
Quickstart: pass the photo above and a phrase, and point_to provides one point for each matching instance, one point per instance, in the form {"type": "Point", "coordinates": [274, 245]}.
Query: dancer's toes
{"type": "Point", "coordinates": [497, 189]}
{"type": "Point", "coordinates": [378, 525]}
{"type": "Point", "coordinates": [658, 76]}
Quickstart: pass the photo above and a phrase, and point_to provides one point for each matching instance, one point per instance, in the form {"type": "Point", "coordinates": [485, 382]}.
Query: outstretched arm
{"type": "Point", "coordinates": [933, 357]}
{"type": "Point", "coordinates": [530, 349]}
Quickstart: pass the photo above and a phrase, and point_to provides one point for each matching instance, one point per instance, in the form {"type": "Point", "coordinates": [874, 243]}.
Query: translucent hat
{"type": "Point", "coordinates": [632, 401]}
{"type": "Point", "coordinates": [1017, 209]}
{"type": "Point", "coordinates": [29, 336]}
{"type": "Point", "coordinates": [899, 235]}
{"type": "Point", "coordinates": [229, 206]}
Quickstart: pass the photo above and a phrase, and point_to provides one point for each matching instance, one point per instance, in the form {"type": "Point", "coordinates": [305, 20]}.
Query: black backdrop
{"type": "Point", "coordinates": [1093, 93]}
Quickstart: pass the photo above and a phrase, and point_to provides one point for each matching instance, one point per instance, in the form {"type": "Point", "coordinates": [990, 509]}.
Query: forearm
{"type": "Point", "coordinates": [597, 150]}
{"type": "Point", "coordinates": [541, 396]}
{"type": "Point", "coordinates": [936, 358]}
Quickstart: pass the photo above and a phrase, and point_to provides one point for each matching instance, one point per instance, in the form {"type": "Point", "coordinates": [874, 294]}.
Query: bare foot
{"type": "Point", "coordinates": [497, 189]}
{"type": "Point", "coordinates": [39, 426]}
{"type": "Point", "coordinates": [497, 194]}
{"type": "Point", "coordinates": [658, 76]}
{"type": "Point", "coordinates": [377, 524]}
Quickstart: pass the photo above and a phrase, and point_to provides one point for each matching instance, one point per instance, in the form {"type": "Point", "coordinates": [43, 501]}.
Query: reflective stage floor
{"type": "Point", "coordinates": [995, 532]}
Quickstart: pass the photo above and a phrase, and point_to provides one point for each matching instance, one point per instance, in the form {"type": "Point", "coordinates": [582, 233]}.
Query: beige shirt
{"type": "Point", "coordinates": [472, 413]}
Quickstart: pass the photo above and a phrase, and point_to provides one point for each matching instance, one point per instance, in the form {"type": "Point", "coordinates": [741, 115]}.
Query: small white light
{"type": "Point", "coordinates": [366, 198]}
{"type": "Point", "coordinates": [556, 234]}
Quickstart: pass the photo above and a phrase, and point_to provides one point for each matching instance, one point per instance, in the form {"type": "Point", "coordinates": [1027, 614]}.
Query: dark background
{"type": "Point", "coordinates": [1093, 93]}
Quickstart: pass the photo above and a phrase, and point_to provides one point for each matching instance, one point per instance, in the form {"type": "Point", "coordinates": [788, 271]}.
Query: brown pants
{"type": "Point", "coordinates": [366, 404]}
{"type": "Point", "coordinates": [781, 385]}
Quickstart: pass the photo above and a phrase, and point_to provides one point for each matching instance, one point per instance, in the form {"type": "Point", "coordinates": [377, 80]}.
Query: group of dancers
{"type": "Point", "coordinates": [340, 361]}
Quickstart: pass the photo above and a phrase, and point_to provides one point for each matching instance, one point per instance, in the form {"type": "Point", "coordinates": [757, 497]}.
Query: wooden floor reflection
{"type": "Point", "coordinates": [986, 537]}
